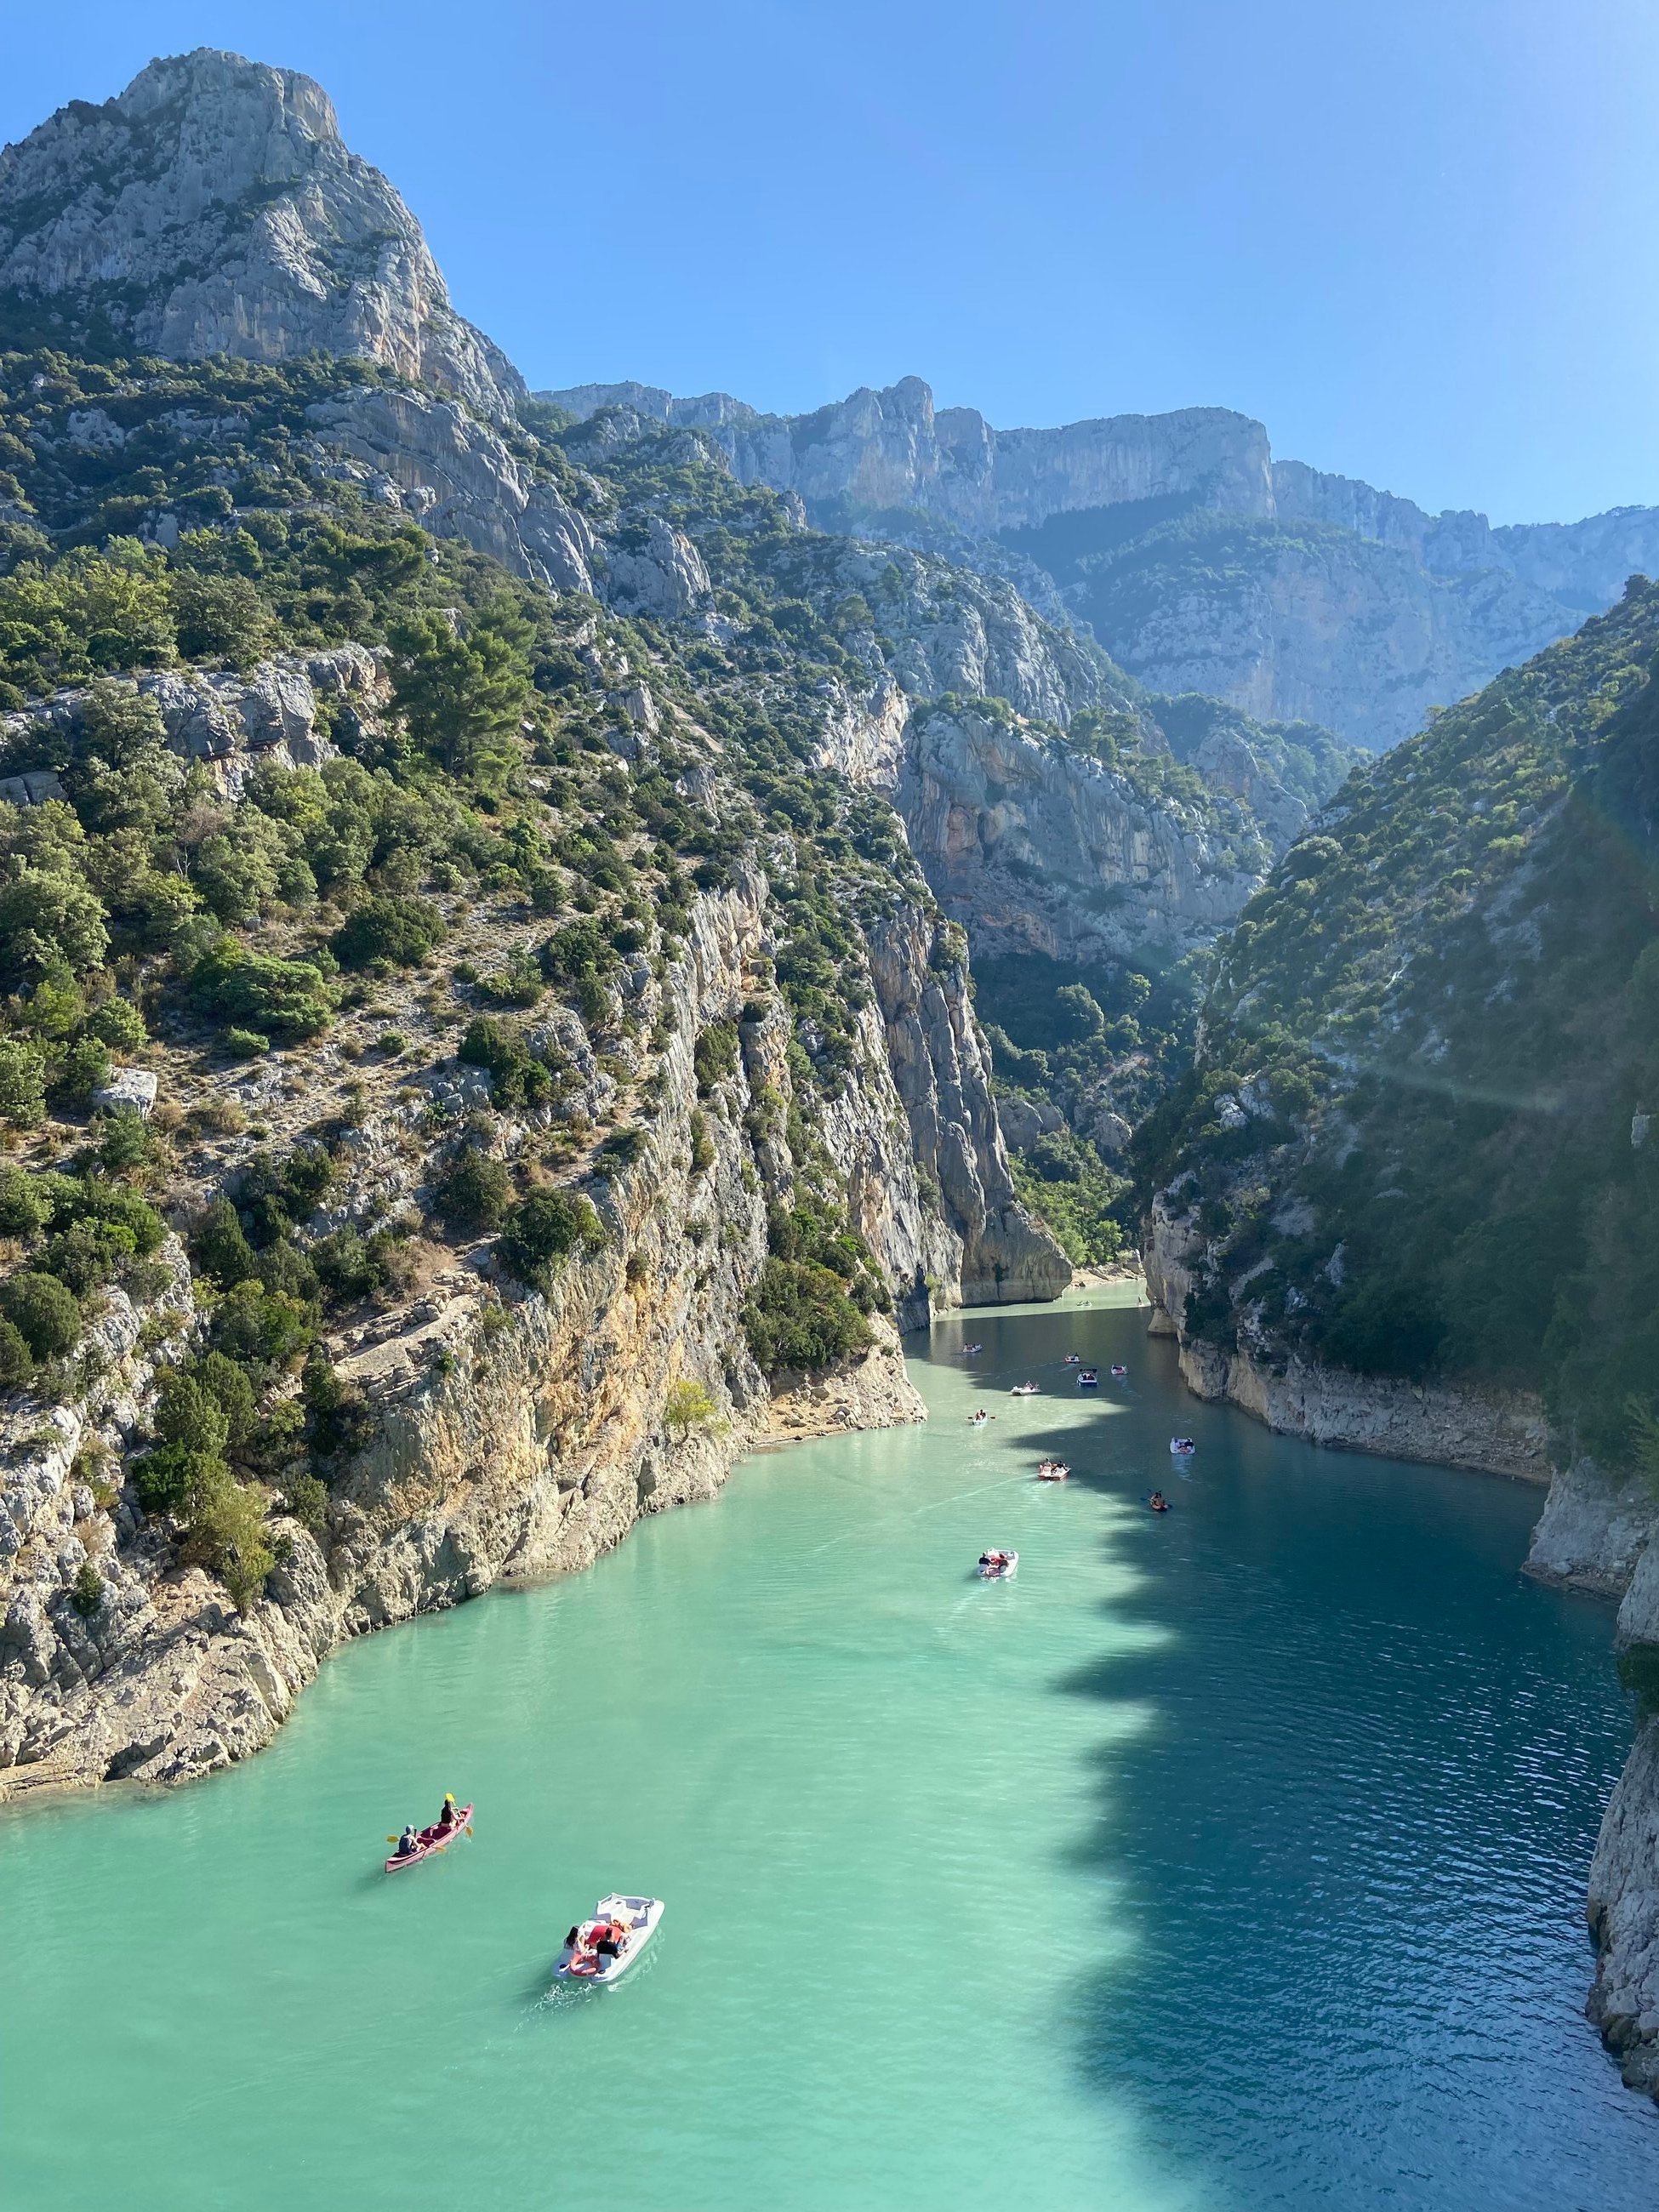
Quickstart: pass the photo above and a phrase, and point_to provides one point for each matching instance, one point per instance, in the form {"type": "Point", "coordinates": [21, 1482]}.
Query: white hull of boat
{"type": "Point", "coordinates": [1009, 1568]}
{"type": "Point", "coordinates": [639, 1916]}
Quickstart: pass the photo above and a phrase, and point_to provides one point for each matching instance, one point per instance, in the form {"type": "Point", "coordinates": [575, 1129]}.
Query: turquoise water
{"type": "Point", "coordinates": [1232, 1860]}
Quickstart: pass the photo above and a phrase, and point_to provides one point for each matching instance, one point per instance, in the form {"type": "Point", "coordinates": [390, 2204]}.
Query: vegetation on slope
{"type": "Point", "coordinates": [1416, 1138]}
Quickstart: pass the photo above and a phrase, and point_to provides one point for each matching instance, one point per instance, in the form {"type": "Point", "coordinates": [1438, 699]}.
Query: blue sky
{"type": "Point", "coordinates": [1416, 239]}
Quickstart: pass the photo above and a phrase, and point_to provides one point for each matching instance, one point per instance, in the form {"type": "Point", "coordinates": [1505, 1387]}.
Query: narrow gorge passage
{"type": "Point", "coordinates": [1220, 1861]}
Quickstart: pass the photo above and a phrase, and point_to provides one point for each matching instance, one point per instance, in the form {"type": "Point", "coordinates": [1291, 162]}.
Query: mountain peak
{"type": "Point", "coordinates": [212, 207]}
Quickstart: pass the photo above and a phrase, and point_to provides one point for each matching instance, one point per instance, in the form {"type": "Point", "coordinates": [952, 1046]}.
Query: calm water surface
{"type": "Point", "coordinates": [1232, 1860]}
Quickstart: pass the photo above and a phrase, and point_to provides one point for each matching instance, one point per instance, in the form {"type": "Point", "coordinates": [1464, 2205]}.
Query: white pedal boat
{"type": "Point", "coordinates": [1052, 1470]}
{"type": "Point", "coordinates": [998, 1566]}
{"type": "Point", "coordinates": [1023, 1390]}
{"type": "Point", "coordinates": [624, 1924]}
{"type": "Point", "coordinates": [1183, 1446]}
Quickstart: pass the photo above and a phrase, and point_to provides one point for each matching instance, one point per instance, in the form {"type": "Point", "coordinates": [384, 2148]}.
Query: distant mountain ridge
{"type": "Point", "coordinates": [1200, 562]}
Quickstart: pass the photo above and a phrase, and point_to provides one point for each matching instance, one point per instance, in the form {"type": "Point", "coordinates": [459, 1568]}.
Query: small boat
{"type": "Point", "coordinates": [429, 1841]}
{"type": "Point", "coordinates": [1023, 1390]}
{"type": "Point", "coordinates": [601, 1949]}
{"type": "Point", "coordinates": [1158, 1502]}
{"type": "Point", "coordinates": [1070, 1360]}
{"type": "Point", "coordinates": [1090, 1379]}
{"type": "Point", "coordinates": [978, 1420]}
{"type": "Point", "coordinates": [968, 1350]}
{"type": "Point", "coordinates": [1183, 1446]}
{"type": "Point", "coordinates": [1052, 1470]}
{"type": "Point", "coordinates": [1118, 1373]}
{"type": "Point", "coordinates": [998, 1566]}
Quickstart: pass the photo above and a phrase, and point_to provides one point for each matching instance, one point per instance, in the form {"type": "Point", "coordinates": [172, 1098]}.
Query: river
{"type": "Point", "coordinates": [1224, 1861]}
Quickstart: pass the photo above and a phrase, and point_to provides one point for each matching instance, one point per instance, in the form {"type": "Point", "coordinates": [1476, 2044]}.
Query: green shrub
{"type": "Point", "coordinates": [86, 1592]}
{"type": "Point", "coordinates": [306, 1502]}
{"type": "Point", "coordinates": [117, 1024]}
{"type": "Point", "coordinates": [800, 1317]}
{"type": "Point", "coordinates": [225, 1533]}
{"type": "Point", "coordinates": [230, 1390]}
{"type": "Point", "coordinates": [242, 1044]}
{"type": "Point", "coordinates": [24, 1207]}
{"type": "Point", "coordinates": [16, 1364]}
{"type": "Point", "coordinates": [398, 932]}
{"type": "Point", "coordinates": [262, 1329]}
{"type": "Point", "coordinates": [474, 1192]}
{"type": "Point", "coordinates": [517, 1077]}
{"type": "Point", "coordinates": [702, 1143]}
{"type": "Point", "coordinates": [220, 1249]}
{"type": "Point", "coordinates": [273, 998]}
{"type": "Point", "coordinates": [87, 1253]}
{"type": "Point", "coordinates": [542, 1230]}
{"type": "Point", "coordinates": [715, 1056]}
{"type": "Point", "coordinates": [22, 1083]}
{"type": "Point", "coordinates": [190, 1417]}
{"type": "Point", "coordinates": [171, 1479]}
{"type": "Point", "coordinates": [44, 1313]}
{"type": "Point", "coordinates": [687, 1407]}
{"type": "Point", "coordinates": [125, 1142]}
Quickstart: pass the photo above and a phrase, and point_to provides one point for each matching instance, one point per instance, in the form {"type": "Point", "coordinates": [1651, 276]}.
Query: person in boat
{"type": "Point", "coordinates": [449, 1818]}
{"type": "Point", "coordinates": [408, 1842]}
{"type": "Point", "coordinates": [1158, 1502]}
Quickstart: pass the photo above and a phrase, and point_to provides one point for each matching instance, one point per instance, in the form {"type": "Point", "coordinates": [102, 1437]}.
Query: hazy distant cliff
{"type": "Point", "coordinates": [1202, 563]}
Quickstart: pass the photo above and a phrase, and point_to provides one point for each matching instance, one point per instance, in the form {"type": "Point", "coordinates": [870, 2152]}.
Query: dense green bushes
{"type": "Point", "coordinates": [544, 1229]}
{"type": "Point", "coordinates": [800, 1316]}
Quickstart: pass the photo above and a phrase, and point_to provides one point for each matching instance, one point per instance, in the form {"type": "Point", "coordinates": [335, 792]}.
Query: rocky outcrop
{"type": "Point", "coordinates": [211, 208]}
{"type": "Point", "coordinates": [1034, 845]}
{"type": "Point", "coordinates": [457, 478]}
{"type": "Point", "coordinates": [517, 1434]}
{"type": "Point", "coordinates": [1498, 1433]}
{"type": "Point", "coordinates": [1598, 1533]}
{"type": "Point", "coordinates": [943, 1076]}
{"type": "Point", "coordinates": [280, 713]}
{"type": "Point", "coordinates": [1624, 1917]}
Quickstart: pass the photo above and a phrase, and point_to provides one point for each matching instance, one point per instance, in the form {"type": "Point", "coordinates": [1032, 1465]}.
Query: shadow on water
{"type": "Point", "coordinates": [1351, 1829]}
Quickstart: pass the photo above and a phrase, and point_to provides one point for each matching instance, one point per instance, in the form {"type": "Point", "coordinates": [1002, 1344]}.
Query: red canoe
{"type": "Point", "coordinates": [429, 1840]}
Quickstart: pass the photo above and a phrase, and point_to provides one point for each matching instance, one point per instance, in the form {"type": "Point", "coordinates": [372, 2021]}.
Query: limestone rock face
{"type": "Point", "coordinates": [211, 208]}
{"type": "Point", "coordinates": [877, 450]}
{"type": "Point", "coordinates": [1624, 1917]}
{"type": "Point", "coordinates": [1200, 562]}
{"type": "Point", "coordinates": [457, 478]}
{"type": "Point", "coordinates": [1037, 846]}
{"type": "Point", "coordinates": [279, 712]}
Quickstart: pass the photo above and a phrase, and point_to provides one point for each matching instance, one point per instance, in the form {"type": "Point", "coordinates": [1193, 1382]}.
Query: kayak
{"type": "Point", "coordinates": [631, 1921]}
{"type": "Point", "coordinates": [998, 1566]}
{"type": "Point", "coordinates": [429, 1841]}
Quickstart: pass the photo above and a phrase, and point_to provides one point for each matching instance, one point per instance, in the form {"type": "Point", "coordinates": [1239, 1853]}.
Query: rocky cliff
{"type": "Point", "coordinates": [515, 1434]}
{"type": "Point", "coordinates": [1200, 562]}
{"type": "Point", "coordinates": [212, 208]}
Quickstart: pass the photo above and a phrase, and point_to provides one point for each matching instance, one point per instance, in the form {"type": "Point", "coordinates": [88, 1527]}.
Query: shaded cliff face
{"type": "Point", "coordinates": [514, 1434]}
{"type": "Point", "coordinates": [1199, 561]}
{"type": "Point", "coordinates": [211, 208]}
{"type": "Point", "coordinates": [1032, 844]}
